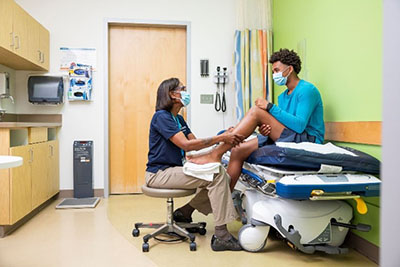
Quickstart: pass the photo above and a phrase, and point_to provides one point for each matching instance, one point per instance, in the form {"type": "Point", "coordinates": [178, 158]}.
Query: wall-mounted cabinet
{"type": "Point", "coordinates": [24, 42]}
{"type": "Point", "coordinates": [6, 23]}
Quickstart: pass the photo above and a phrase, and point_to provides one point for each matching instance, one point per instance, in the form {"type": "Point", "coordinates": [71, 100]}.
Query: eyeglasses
{"type": "Point", "coordinates": [180, 88]}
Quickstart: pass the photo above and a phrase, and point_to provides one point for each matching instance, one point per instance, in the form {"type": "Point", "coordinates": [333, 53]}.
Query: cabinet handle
{"type": "Point", "coordinates": [40, 56]}
{"type": "Point", "coordinates": [31, 155]}
{"type": "Point", "coordinates": [12, 39]}
{"type": "Point", "coordinates": [17, 38]}
{"type": "Point", "coordinates": [51, 151]}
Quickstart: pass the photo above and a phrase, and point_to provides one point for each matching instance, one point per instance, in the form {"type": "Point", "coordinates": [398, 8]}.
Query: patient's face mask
{"type": "Point", "coordinates": [278, 77]}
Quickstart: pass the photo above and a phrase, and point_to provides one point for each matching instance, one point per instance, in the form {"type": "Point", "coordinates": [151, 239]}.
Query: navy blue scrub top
{"type": "Point", "coordinates": [162, 152]}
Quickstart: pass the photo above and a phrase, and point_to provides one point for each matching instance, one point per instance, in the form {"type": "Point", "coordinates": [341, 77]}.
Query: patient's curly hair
{"type": "Point", "coordinates": [287, 57]}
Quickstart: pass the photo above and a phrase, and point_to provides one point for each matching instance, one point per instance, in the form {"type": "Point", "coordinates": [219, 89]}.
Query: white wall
{"type": "Point", "coordinates": [390, 217]}
{"type": "Point", "coordinates": [78, 23]}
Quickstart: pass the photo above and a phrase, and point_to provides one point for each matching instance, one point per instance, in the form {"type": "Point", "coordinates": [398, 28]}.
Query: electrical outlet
{"type": "Point", "coordinates": [206, 99]}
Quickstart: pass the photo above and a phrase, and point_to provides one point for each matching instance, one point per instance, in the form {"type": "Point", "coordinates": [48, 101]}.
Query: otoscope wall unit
{"type": "Point", "coordinates": [220, 78]}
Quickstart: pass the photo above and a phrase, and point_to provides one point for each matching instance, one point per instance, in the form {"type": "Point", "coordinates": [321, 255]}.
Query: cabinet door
{"type": "Point", "coordinates": [20, 31]}
{"type": "Point", "coordinates": [53, 168]}
{"type": "Point", "coordinates": [6, 29]}
{"type": "Point", "coordinates": [44, 44]}
{"type": "Point", "coordinates": [34, 53]}
{"type": "Point", "coordinates": [40, 183]}
{"type": "Point", "coordinates": [21, 184]}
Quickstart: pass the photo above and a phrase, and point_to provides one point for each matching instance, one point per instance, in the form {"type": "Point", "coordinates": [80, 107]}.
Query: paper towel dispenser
{"type": "Point", "coordinates": [46, 89]}
{"type": "Point", "coordinates": [4, 83]}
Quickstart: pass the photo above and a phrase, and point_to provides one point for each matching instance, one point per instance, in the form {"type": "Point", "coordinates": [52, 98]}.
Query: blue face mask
{"type": "Point", "coordinates": [185, 98]}
{"type": "Point", "coordinates": [279, 79]}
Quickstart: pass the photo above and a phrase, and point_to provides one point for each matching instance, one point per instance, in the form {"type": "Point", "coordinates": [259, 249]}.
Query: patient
{"type": "Point", "coordinates": [169, 139]}
{"type": "Point", "coordinates": [298, 118]}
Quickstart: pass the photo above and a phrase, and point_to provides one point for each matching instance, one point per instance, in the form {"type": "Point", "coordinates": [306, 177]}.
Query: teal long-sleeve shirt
{"type": "Point", "coordinates": [301, 111]}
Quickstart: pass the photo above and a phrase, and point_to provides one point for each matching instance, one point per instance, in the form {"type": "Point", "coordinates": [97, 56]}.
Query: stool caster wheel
{"type": "Point", "coordinates": [145, 247]}
{"type": "Point", "coordinates": [135, 232]}
{"type": "Point", "coordinates": [202, 231]}
{"type": "Point", "coordinates": [193, 246]}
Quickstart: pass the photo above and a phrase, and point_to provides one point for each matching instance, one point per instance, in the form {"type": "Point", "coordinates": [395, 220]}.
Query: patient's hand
{"type": "Point", "coordinates": [264, 129]}
{"type": "Point", "coordinates": [261, 103]}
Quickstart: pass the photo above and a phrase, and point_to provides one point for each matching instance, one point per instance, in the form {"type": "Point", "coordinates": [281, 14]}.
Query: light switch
{"type": "Point", "coordinates": [206, 99]}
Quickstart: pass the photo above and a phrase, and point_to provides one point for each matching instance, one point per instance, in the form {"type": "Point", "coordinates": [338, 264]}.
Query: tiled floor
{"type": "Point", "coordinates": [102, 237]}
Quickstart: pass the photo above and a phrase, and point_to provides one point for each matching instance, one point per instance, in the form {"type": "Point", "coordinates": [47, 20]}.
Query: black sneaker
{"type": "Point", "coordinates": [222, 245]}
{"type": "Point", "coordinates": [179, 217]}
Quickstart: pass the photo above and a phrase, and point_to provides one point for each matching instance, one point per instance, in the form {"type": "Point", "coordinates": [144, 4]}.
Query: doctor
{"type": "Point", "coordinates": [298, 118]}
{"type": "Point", "coordinates": [170, 137]}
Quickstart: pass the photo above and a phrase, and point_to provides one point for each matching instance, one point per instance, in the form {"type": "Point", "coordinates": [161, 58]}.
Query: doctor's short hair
{"type": "Point", "coordinates": [164, 101]}
{"type": "Point", "coordinates": [287, 57]}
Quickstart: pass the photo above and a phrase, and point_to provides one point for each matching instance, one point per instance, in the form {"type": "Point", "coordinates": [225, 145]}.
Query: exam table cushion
{"type": "Point", "coordinates": [301, 159]}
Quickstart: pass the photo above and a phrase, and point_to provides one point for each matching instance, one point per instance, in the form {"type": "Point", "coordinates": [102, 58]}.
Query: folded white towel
{"type": "Point", "coordinates": [202, 171]}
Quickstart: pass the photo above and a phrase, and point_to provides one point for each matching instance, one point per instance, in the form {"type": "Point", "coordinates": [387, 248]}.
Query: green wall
{"type": "Point", "coordinates": [340, 44]}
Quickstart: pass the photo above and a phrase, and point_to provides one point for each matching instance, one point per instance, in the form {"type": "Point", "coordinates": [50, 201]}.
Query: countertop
{"type": "Point", "coordinates": [29, 124]}
{"type": "Point", "coordinates": [31, 120]}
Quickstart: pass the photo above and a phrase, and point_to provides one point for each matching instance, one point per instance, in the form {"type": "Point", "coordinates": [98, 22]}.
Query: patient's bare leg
{"type": "Point", "coordinates": [238, 155]}
{"type": "Point", "coordinates": [253, 118]}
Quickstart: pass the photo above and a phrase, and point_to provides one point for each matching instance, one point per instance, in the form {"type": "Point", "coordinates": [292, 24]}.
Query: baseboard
{"type": "Point", "coordinates": [7, 229]}
{"type": "Point", "coordinates": [69, 193]}
{"type": "Point", "coordinates": [363, 246]}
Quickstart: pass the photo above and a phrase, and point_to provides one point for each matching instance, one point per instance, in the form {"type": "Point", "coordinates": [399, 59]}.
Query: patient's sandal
{"type": "Point", "coordinates": [222, 245]}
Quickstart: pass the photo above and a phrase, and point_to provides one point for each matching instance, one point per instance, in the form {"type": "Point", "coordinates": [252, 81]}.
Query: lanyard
{"type": "Point", "coordinates": [180, 127]}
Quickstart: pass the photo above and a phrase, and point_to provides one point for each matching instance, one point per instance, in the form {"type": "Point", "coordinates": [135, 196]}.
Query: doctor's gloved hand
{"type": "Point", "coordinates": [265, 129]}
{"type": "Point", "coordinates": [261, 103]}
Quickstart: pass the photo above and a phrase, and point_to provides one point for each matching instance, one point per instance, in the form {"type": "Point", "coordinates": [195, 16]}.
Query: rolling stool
{"type": "Point", "coordinates": [170, 227]}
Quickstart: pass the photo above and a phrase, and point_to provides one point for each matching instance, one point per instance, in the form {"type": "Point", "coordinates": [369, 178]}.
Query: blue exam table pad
{"type": "Point", "coordinates": [296, 158]}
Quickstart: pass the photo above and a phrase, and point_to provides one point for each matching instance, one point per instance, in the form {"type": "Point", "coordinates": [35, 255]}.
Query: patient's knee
{"type": "Point", "coordinates": [253, 110]}
{"type": "Point", "coordinates": [256, 112]}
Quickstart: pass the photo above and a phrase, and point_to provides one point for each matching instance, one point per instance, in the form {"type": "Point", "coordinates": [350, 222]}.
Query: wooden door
{"type": "Point", "coordinates": [140, 58]}
{"type": "Point", "coordinates": [40, 190]}
{"type": "Point", "coordinates": [6, 23]}
{"type": "Point", "coordinates": [21, 184]}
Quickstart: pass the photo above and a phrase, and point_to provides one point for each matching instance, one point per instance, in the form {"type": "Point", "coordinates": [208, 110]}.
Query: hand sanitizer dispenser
{"type": "Point", "coordinates": [4, 83]}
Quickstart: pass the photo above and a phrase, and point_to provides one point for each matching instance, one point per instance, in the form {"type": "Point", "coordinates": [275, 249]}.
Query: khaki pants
{"type": "Point", "coordinates": [213, 197]}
